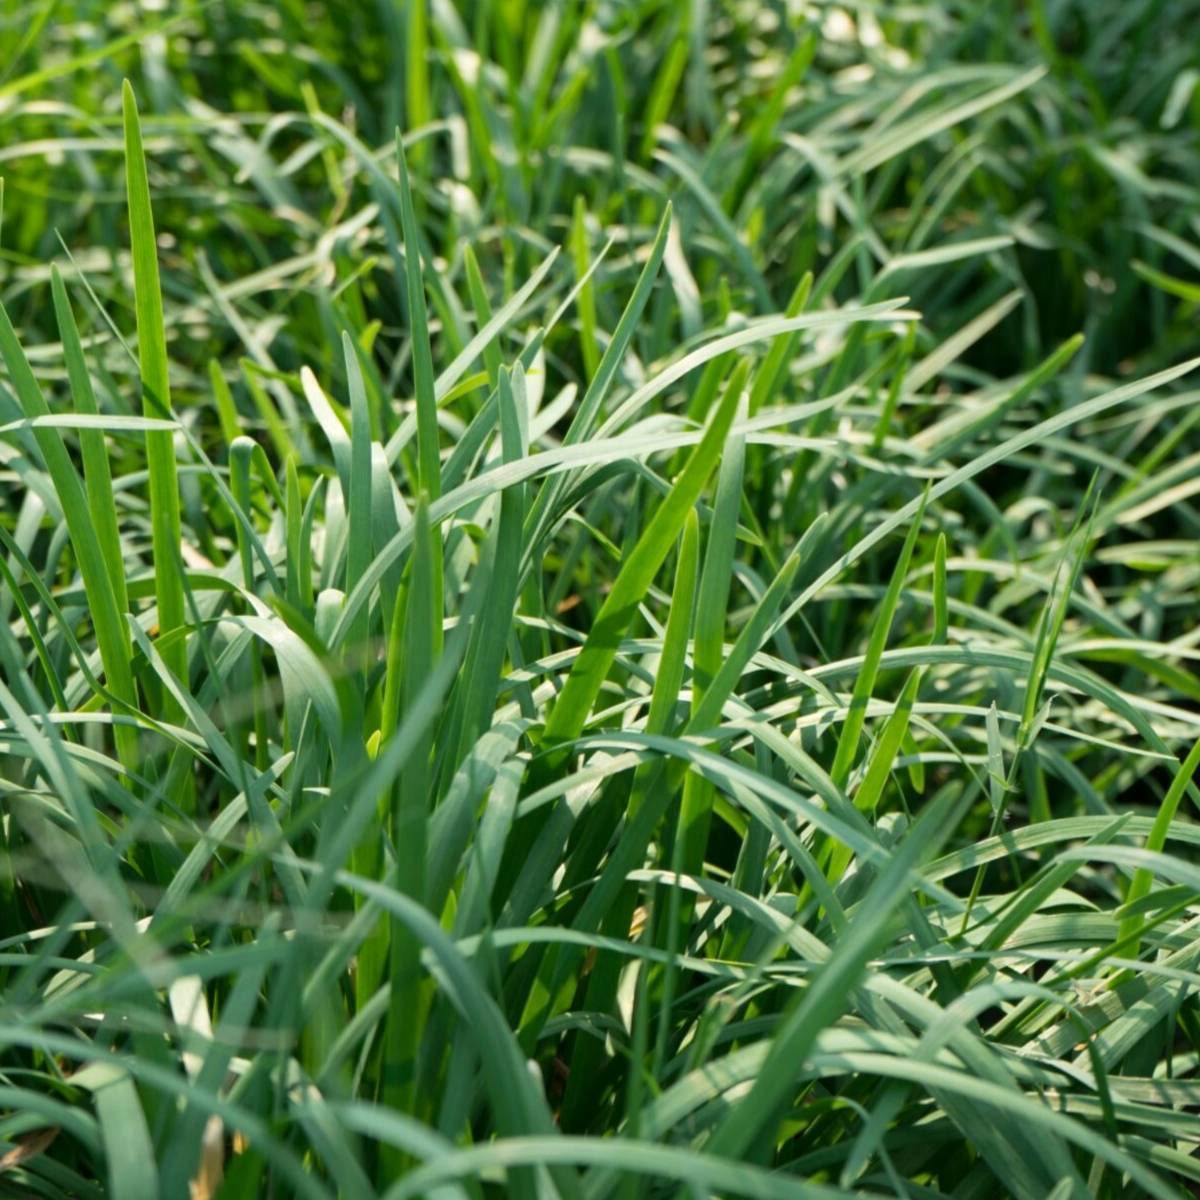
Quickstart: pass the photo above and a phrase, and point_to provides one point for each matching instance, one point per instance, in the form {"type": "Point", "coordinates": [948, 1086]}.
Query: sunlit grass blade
{"type": "Point", "coordinates": [864, 684]}
{"type": "Point", "coordinates": [156, 397]}
{"type": "Point", "coordinates": [409, 817]}
{"type": "Point", "coordinates": [828, 994]}
{"type": "Point", "coordinates": [574, 702]}
{"type": "Point", "coordinates": [97, 474]}
{"type": "Point", "coordinates": [1155, 842]}
{"type": "Point", "coordinates": [712, 601]}
{"type": "Point", "coordinates": [109, 622]}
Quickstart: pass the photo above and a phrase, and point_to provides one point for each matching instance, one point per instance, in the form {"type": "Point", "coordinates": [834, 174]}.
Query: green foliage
{"type": "Point", "coordinates": [598, 599]}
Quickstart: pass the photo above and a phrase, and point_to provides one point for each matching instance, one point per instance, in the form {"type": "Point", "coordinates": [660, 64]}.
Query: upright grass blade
{"type": "Point", "coordinates": [585, 418]}
{"type": "Point", "coordinates": [605, 976]}
{"type": "Point", "coordinates": [570, 710]}
{"type": "Point", "coordinates": [656, 786]}
{"type": "Point", "coordinates": [227, 412]}
{"type": "Point", "coordinates": [941, 610]}
{"type": "Point", "coordinates": [132, 1174]}
{"type": "Point", "coordinates": [156, 401]}
{"type": "Point", "coordinates": [574, 703]}
{"type": "Point", "coordinates": [767, 377]}
{"type": "Point", "coordinates": [864, 684]}
{"type": "Point", "coordinates": [410, 812]}
{"type": "Point", "coordinates": [111, 633]}
{"type": "Point", "coordinates": [888, 746]}
{"type": "Point", "coordinates": [416, 71]}
{"type": "Point", "coordinates": [97, 474]}
{"type": "Point", "coordinates": [429, 465]}
{"type": "Point", "coordinates": [691, 836]}
{"type": "Point", "coordinates": [1051, 624]}
{"type": "Point", "coordinates": [1155, 842]}
{"type": "Point", "coordinates": [485, 657]}
{"type": "Point", "coordinates": [358, 544]}
{"type": "Point", "coordinates": [483, 313]}
{"type": "Point", "coordinates": [586, 299]}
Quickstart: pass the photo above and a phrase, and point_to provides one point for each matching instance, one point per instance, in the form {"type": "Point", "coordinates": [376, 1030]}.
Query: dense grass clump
{"type": "Point", "coordinates": [599, 600]}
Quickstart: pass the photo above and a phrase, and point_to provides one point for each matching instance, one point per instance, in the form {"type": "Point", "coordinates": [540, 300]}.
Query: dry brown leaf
{"type": "Point", "coordinates": [212, 1162]}
{"type": "Point", "coordinates": [639, 921]}
{"type": "Point", "coordinates": [30, 1147]}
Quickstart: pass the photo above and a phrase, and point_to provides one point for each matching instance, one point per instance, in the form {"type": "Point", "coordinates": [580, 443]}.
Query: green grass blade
{"type": "Point", "coordinates": [156, 397]}
{"type": "Point", "coordinates": [111, 635]}
{"type": "Point", "coordinates": [864, 684]}
{"type": "Point", "coordinates": [429, 467]}
{"type": "Point", "coordinates": [574, 702]}
{"type": "Point", "coordinates": [132, 1174]}
{"type": "Point", "coordinates": [358, 546]}
{"type": "Point", "coordinates": [1155, 842]}
{"type": "Point", "coordinates": [97, 474]}
{"type": "Point", "coordinates": [824, 1000]}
